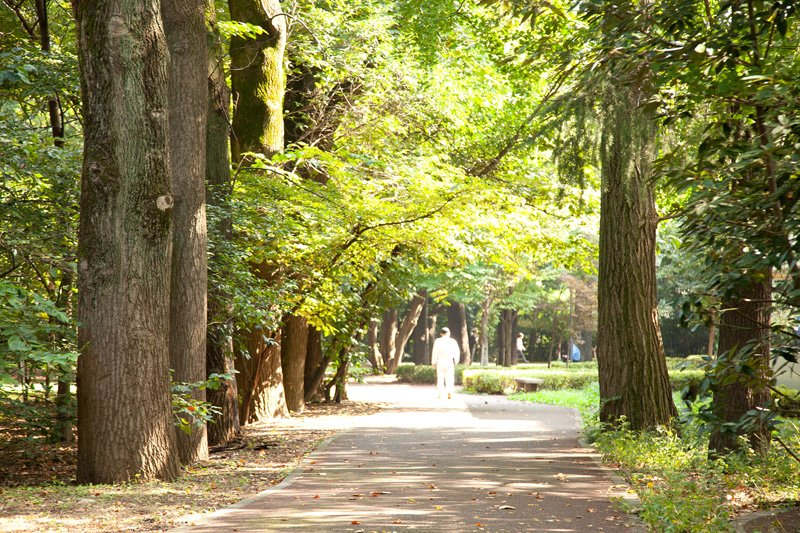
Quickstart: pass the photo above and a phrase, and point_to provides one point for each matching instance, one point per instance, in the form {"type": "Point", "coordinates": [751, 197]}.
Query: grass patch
{"type": "Point", "coordinates": [585, 399]}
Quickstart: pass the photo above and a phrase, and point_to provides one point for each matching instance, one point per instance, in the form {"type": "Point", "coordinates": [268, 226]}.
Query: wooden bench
{"type": "Point", "coordinates": [527, 384]}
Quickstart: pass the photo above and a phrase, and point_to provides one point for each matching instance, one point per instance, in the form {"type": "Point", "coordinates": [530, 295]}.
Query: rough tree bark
{"type": "Point", "coordinates": [632, 368]}
{"type": "Point", "coordinates": [459, 330]}
{"type": "Point", "coordinates": [743, 322]}
{"type": "Point", "coordinates": [219, 333]}
{"type": "Point", "coordinates": [294, 342]}
{"type": "Point", "coordinates": [125, 243]}
{"type": "Point", "coordinates": [184, 26]}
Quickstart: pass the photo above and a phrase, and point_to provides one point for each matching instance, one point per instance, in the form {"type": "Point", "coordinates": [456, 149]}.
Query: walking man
{"type": "Point", "coordinates": [520, 347]}
{"type": "Point", "coordinates": [444, 357]}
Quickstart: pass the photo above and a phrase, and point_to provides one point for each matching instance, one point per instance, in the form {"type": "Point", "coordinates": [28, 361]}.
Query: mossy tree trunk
{"type": "Point", "coordinates": [125, 245]}
{"type": "Point", "coordinates": [258, 79]}
{"type": "Point", "coordinates": [258, 84]}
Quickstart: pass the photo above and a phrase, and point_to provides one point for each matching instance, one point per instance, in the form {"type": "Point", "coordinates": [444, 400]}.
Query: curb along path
{"type": "Point", "coordinates": [474, 463]}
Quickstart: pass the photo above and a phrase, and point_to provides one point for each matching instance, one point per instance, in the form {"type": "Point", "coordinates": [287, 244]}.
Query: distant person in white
{"type": "Point", "coordinates": [444, 358]}
{"type": "Point", "coordinates": [521, 347]}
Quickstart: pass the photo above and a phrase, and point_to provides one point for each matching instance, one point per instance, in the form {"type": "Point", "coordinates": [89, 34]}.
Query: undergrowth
{"type": "Point", "coordinates": [680, 488]}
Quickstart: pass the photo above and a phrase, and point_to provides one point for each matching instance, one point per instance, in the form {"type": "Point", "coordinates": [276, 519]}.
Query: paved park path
{"type": "Point", "coordinates": [473, 463]}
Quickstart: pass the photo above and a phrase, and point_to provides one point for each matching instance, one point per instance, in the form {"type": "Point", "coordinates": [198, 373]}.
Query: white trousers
{"type": "Point", "coordinates": [445, 380]}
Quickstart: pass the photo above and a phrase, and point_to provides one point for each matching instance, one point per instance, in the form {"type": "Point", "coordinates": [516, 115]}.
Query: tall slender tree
{"type": "Point", "coordinates": [125, 245]}
{"type": "Point", "coordinates": [219, 333]}
{"type": "Point", "coordinates": [184, 25]}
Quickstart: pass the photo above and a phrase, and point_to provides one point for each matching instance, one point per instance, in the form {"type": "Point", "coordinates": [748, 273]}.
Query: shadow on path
{"type": "Point", "coordinates": [474, 463]}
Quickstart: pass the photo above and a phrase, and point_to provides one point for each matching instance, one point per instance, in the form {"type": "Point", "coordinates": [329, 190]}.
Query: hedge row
{"type": "Point", "coordinates": [423, 374]}
{"type": "Point", "coordinates": [501, 380]}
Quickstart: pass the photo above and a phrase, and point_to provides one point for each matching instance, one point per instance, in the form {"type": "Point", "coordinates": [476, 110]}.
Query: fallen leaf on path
{"type": "Point", "coordinates": [316, 496]}
{"type": "Point", "coordinates": [591, 510]}
{"type": "Point", "coordinates": [437, 507]}
{"type": "Point", "coordinates": [432, 486]}
{"type": "Point", "coordinates": [355, 522]}
{"type": "Point", "coordinates": [561, 477]}
{"type": "Point", "coordinates": [398, 521]}
{"type": "Point", "coordinates": [503, 507]}
{"type": "Point", "coordinates": [377, 493]}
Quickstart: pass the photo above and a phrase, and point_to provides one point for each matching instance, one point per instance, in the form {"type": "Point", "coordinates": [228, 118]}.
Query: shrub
{"type": "Point", "coordinates": [498, 380]}
{"type": "Point", "coordinates": [488, 382]}
{"type": "Point", "coordinates": [423, 374]}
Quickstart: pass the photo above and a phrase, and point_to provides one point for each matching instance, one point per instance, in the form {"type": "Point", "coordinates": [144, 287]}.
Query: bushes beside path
{"type": "Point", "coordinates": [500, 380]}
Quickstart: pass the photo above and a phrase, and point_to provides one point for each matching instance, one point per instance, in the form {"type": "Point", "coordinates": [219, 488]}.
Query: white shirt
{"type": "Point", "coordinates": [445, 352]}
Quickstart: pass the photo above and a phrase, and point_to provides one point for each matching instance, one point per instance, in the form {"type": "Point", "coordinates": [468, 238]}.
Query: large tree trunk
{"type": "Point", "coordinates": [314, 363]}
{"type": "Point", "coordinates": [459, 330]}
{"type": "Point", "coordinates": [421, 342]}
{"type": "Point", "coordinates": [219, 334]}
{"type": "Point", "coordinates": [184, 26]}
{"type": "Point", "coordinates": [405, 330]}
{"type": "Point", "coordinates": [744, 323]}
{"type": "Point", "coordinates": [293, 360]}
{"type": "Point", "coordinates": [260, 379]}
{"type": "Point", "coordinates": [258, 79]}
{"type": "Point", "coordinates": [633, 371]}
{"type": "Point", "coordinates": [505, 341]}
{"type": "Point", "coordinates": [389, 337]}
{"type": "Point", "coordinates": [125, 421]}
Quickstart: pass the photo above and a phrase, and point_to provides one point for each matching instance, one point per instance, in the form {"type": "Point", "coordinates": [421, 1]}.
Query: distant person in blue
{"type": "Point", "coordinates": [576, 353]}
